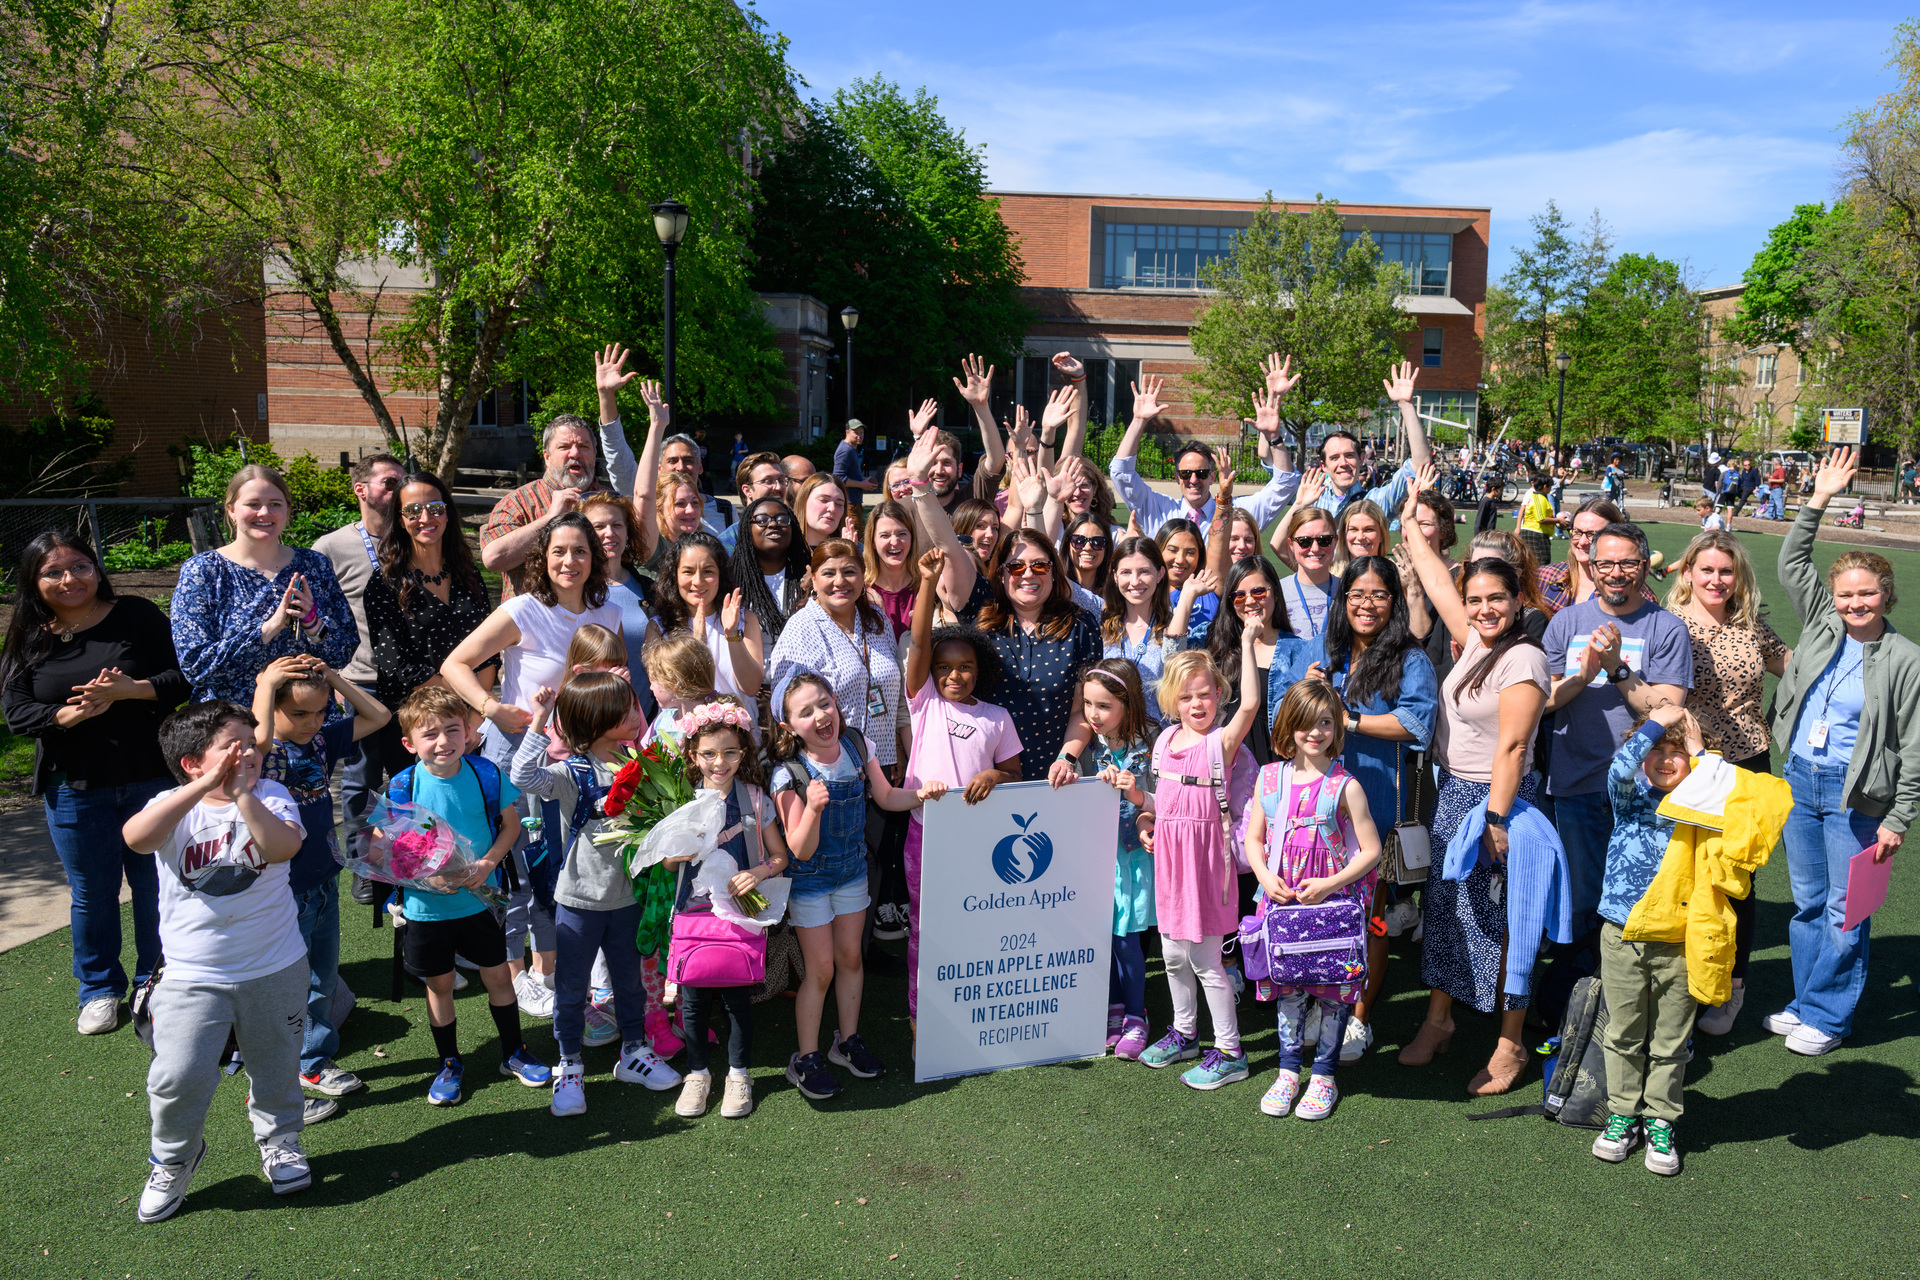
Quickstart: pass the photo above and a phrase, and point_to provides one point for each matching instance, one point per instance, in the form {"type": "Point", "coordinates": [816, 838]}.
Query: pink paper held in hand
{"type": "Point", "coordinates": [415, 847]}
{"type": "Point", "coordinates": [1867, 882]}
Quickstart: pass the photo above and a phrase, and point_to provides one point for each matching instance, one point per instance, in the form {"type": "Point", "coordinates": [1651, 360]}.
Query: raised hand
{"type": "Point", "coordinates": [1146, 400]}
{"type": "Point", "coordinates": [1133, 524]}
{"type": "Point", "coordinates": [1266, 414]}
{"type": "Point", "coordinates": [1058, 485]}
{"type": "Point", "coordinates": [922, 418]}
{"type": "Point", "coordinates": [932, 563]}
{"type": "Point", "coordinates": [657, 409]}
{"type": "Point", "coordinates": [1069, 368]}
{"type": "Point", "coordinates": [1020, 434]}
{"type": "Point", "coordinates": [1400, 385]}
{"type": "Point", "coordinates": [977, 388]}
{"type": "Point", "coordinates": [1223, 473]}
{"type": "Point", "coordinates": [1312, 485]}
{"type": "Point", "coordinates": [609, 368]}
{"type": "Point", "coordinates": [1835, 474]}
{"type": "Point", "coordinates": [1059, 409]}
{"type": "Point", "coordinates": [730, 611]}
{"type": "Point", "coordinates": [1203, 582]}
{"type": "Point", "coordinates": [1028, 481]}
{"type": "Point", "coordinates": [920, 457]}
{"type": "Point", "coordinates": [1280, 376]}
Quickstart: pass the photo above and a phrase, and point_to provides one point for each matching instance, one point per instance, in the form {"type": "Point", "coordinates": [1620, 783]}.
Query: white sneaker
{"type": "Point", "coordinates": [569, 1089]}
{"type": "Point", "coordinates": [314, 1110]}
{"type": "Point", "coordinates": [1782, 1023]}
{"type": "Point", "coordinates": [166, 1187]}
{"type": "Point", "coordinates": [1356, 1041]}
{"type": "Point", "coordinates": [1402, 916]}
{"type": "Point", "coordinates": [285, 1165]}
{"type": "Point", "coordinates": [99, 1016]}
{"type": "Point", "coordinates": [693, 1095]}
{"type": "Point", "coordinates": [639, 1064]}
{"type": "Point", "coordinates": [535, 1000]}
{"type": "Point", "coordinates": [737, 1103]}
{"type": "Point", "coordinates": [1717, 1020]}
{"type": "Point", "coordinates": [1804, 1039]}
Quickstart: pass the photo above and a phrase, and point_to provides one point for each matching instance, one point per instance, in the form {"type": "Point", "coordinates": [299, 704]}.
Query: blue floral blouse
{"type": "Point", "coordinates": [217, 610]}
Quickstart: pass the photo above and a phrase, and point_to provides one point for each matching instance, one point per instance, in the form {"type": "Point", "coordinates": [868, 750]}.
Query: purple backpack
{"type": "Point", "coordinates": [1295, 944]}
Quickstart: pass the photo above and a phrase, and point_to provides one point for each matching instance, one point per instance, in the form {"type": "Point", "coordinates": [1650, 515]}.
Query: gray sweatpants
{"type": "Point", "coordinates": [190, 1021]}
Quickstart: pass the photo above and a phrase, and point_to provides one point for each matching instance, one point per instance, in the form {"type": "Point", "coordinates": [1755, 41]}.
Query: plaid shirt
{"type": "Point", "coordinates": [614, 468]}
{"type": "Point", "coordinates": [1556, 586]}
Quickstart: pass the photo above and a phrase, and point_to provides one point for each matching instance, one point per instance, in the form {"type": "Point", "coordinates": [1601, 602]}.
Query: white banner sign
{"type": "Point", "coordinates": [1016, 920]}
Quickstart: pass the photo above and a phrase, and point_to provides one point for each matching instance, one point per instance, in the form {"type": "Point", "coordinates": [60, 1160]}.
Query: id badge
{"type": "Point", "coordinates": [876, 703]}
{"type": "Point", "coordinates": [1817, 734]}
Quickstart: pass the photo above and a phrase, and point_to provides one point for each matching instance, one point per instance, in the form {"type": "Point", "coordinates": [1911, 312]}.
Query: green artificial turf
{"type": "Point", "coordinates": [1794, 1166]}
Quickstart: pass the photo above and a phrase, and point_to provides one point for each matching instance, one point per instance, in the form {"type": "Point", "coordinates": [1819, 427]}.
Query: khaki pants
{"type": "Point", "coordinates": [1649, 1018]}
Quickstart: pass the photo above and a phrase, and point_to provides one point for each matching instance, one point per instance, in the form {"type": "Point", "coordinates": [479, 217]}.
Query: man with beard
{"type": "Point", "coordinates": [572, 462]}
{"type": "Point", "coordinates": [1616, 656]}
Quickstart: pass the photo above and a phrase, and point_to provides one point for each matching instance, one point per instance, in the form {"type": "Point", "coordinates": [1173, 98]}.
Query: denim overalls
{"type": "Point", "coordinates": [840, 859]}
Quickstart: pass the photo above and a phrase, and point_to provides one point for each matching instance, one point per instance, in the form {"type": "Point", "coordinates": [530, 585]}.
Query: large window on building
{"type": "Point", "coordinates": [1142, 256]}
{"type": "Point", "coordinates": [1765, 369]}
{"type": "Point", "coordinates": [1430, 348]}
{"type": "Point", "coordinates": [1426, 256]}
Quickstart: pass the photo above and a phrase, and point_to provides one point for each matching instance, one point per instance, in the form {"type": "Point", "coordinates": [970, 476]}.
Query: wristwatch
{"type": "Point", "coordinates": [1353, 720]}
{"type": "Point", "coordinates": [1496, 819]}
{"type": "Point", "coordinates": [1619, 674]}
{"type": "Point", "coordinates": [1068, 756]}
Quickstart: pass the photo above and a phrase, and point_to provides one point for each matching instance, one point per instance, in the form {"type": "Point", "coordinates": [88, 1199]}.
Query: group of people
{"type": "Point", "coordinates": [833, 676]}
{"type": "Point", "coordinates": [1726, 488]}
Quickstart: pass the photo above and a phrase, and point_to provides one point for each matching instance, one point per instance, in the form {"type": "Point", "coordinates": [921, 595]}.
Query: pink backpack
{"type": "Point", "coordinates": [1232, 789]}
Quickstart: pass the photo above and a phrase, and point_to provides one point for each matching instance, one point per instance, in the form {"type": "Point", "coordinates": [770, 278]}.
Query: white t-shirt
{"type": "Point", "coordinates": [226, 913]}
{"type": "Point", "coordinates": [541, 656]}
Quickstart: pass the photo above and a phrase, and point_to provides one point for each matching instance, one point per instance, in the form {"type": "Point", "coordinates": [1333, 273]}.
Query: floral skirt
{"type": "Point", "coordinates": [1464, 922]}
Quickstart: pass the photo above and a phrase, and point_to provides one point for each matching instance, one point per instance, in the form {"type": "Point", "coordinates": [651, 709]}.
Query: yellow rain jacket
{"type": "Point", "coordinates": [1726, 823]}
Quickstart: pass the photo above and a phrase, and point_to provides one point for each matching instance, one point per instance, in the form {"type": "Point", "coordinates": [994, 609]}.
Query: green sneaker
{"type": "Point", "coordinates": [1617, 1142]}
{"type": "Point", "coordinates": [1663, 1157]}
{"type": "Point", "coordinates": [1214, 1070]}
{"type": "Point", "coordinates": [1169, 1049]}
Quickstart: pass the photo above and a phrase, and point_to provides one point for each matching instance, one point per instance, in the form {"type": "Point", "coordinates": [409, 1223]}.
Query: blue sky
{"type": "Point", "coordinates": [1691, 128]}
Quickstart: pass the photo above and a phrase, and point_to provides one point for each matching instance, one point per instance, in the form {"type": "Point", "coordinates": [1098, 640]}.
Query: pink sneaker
{"type": "Point", "coordinates": [1133, 1039]}
{"type": "Point", "coordinates": [660, 1033]}
{"type": "Point", "coordinates": [1116, 1013]}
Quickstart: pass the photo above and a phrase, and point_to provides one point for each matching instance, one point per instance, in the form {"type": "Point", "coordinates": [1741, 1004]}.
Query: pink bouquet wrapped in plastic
{"type": "Point", "coordinates": [415, 847]}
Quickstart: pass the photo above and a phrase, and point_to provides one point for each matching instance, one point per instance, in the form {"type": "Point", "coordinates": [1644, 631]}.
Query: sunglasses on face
{"type": "Point", "coordinates": [772, 520]}
{"type": "Point", "coordinates": [1098, 541]}
{"type": "Point", "coordinates": [1028, 568]}
{"type": "Point", "coordinates": [432, 510]}
{"type": "Point", "coordinates": [1255, 594]}
{"type": "Point", "coordinates": [1312, 540]}
{"type": "Point", "coordinates": [1191, 476]}
{"type": "Point", "coordinates": [964, 539]}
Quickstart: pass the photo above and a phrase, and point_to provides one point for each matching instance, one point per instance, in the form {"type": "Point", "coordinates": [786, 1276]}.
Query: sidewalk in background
{"type": "Point", "coordinates": [33, 889]}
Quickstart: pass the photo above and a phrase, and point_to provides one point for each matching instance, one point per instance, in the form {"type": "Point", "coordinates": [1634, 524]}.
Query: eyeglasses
{"type": "Point", "coordinates": [731, 755]}
{"type": "Point", "coordinates": [1098, 541]}
{"type": "Point", "coordinates": [1201, 474]}
{"type": "Point", "coordinates": [772, 520]}
{"type": "Point", "coordinates": [1028, 568]}
{"type": "Point", "coordinates": [432, 510]}
{"type": "Point", "coordinates": [1371, 597]}
{"type": "Point", "coordinates": [1583, 535]}
{"type": "Point", "coordinates": [81, 571]}
{"type": "Point", "coordinates": [1617, 566]}
{"type": "Point", "coordinates": [1310, 541]}
{"type": "Point", "coordinates": [1251, 593]}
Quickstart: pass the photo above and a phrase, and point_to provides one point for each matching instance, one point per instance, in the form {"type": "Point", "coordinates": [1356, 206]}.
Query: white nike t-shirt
{"type": "Point", "coordinates": [226, 913]}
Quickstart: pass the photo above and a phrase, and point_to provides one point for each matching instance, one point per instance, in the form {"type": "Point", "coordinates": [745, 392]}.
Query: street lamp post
{"type": "Point", "coordinates": [850, 317]}
{"type": "Point", "coordinates": [670, 224]}
{"type": "Point", "coordinates": [1560, 362]}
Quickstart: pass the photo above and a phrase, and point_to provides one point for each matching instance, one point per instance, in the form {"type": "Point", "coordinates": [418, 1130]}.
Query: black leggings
{"type": "Point", "coordinates": [696, 1006]}
{"type": "Point", "coordinates": [1743, 908]}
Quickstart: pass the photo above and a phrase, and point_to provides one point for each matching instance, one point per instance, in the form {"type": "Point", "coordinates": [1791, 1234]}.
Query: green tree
{"type": "Point", "coordinates": [1530, 314]}
{"type": "Point", "coordinates": [1641, 344]}
{"type": "Point", "coordinates": [881, 204]}
{"type": "Point", "coordinates": [1775, 304]}
{"type": "Point", "coordinates": [1293, 284]}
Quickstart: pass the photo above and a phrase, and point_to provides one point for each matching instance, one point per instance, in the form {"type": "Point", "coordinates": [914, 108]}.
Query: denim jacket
{"type": "Point", "coordinates": [1374, 761]}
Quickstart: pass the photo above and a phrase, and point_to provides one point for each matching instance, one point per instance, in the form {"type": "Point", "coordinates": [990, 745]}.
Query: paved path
{"type": "Point", "coordinates": [33, 889]}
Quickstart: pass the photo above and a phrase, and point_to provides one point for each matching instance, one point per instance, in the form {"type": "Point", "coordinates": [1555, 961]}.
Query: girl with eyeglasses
{"type": "Point", "coordinates": [770, 565]}
{"type": "Point", "coordinates": [1306, 540]}
{"type": "Point", "coordinates": [427, 597]}
{"type": "Point", "coordinates": [1373, 660]}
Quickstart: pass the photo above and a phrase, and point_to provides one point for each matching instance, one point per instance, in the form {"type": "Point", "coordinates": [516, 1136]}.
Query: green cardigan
{"type": "Point", "coordinates": [1883, 781]}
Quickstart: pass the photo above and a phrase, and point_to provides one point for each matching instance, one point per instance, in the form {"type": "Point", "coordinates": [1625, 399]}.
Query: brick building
{"type": "Point", "coordinates": [1764, 406]}
{"type": "Point", "coordinates": [1115, 280]}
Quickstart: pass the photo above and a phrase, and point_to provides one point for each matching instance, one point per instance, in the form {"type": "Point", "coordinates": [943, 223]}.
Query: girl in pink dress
{"type": "Point", "coordinates": [1311, 840]}
{"type": "Point", "coordinates": [1195, 887]}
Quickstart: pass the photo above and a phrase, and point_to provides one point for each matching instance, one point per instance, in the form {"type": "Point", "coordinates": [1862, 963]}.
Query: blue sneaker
{"type": "Point", "coordinates": [1215, 1069]}
{"type": "Point", "coordinates": [527, 1069]}
{"type": "Point", "coordinates": [808, 1073]}
{"type": "Point", "coordinates": [445, 1089]}
{"type": "Point", "coordinates": [1169, 1049]}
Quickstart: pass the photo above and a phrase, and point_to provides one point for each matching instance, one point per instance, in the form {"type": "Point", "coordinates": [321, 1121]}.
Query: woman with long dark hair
{"type": "Point", "coordinates": [696, 591]}
{"type": "Point", "coordinates": [1138, 623]}
{"type": "Point", "coordinates": [427, 597]}
{"type": "Point", "coordinates": [1489, 708]}
{"type": "Point", "coordinates": [769, 565]}
{"type": "Point", "coordinates": [977, 525]}
{"type": "Point", "coordinates": [1386, 682]}
{"type": "Point", "coordinates": [1086, 544]}
{"type": "Point", "coordinates": [841, 636]}
{"type": "Point", "coordinates": [89, 675]}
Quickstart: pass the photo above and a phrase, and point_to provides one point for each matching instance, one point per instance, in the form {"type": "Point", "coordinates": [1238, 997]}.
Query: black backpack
{"type": "Point", "coordinates": [1576, 1072]}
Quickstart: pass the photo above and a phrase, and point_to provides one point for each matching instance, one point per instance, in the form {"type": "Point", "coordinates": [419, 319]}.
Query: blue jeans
{"type": "Point", "coordinates": [1292, 1017]}
{"type": "Point", "coordinates": [85, 828]}
{"type": "Point", "coordinates": [1585, 824]}
{"type": "Point", "coordinates": [580, 936]}
{"type": "Point", "coordinates": [319, 909]}
{"type": "Point", "coordinates": [1822, 834]}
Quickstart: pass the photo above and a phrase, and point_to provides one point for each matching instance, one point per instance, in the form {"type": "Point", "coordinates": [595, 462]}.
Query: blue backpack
{"type": "Point", "coordinates": [544, 859]}
{"type": "Point", "coordinates": [487, 774]}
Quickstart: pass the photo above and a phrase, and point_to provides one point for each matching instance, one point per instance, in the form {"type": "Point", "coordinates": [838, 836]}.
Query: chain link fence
{"type": "Point", "coordinates": [128, 534]}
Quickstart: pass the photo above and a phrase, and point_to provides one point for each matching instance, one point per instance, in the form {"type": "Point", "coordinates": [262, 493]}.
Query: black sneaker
{"type": "Point", "coordinates": [889, 923]}
{"type": "Point", "coordinates": [854, 1055]}
{"type": "Point", "coordinates": [366, 892]}
{"type": "Point", "coordinates": [808, 1073]}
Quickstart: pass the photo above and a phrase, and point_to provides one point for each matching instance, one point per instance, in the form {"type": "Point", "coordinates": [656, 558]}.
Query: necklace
{"type": "Point", "coordinates": [432, 580]}
{"type": "Point", "coordinates": [67, 632]}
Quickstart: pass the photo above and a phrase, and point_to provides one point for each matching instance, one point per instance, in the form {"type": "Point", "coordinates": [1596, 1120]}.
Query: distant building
{"type": "Point", "coordinates": [1765, 404]}
{"type": "Point", "coordinates": [1116, 282]}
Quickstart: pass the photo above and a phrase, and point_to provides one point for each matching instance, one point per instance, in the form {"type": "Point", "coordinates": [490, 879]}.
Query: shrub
{"type": "Point", "coordinates": [316, 488]}
{"type": "Point", "coordinates": [304, 528]}
{"type": "Point", "coordinates": [128, 556]}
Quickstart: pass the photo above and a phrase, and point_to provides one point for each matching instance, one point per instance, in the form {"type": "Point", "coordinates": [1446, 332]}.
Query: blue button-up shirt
{"type": "Point", "coordinates": [1375, 762]}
